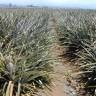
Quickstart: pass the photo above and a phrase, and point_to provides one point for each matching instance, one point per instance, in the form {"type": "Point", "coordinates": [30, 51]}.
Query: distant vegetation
{"type": "Point", "coordinates": [15, 6]}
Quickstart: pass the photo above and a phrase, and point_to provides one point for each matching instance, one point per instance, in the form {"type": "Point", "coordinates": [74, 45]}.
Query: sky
{"type": "Point", "coordinates": [54, 3]}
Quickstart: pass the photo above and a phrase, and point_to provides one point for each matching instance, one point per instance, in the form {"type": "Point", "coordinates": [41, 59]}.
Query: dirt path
{"type": "Point", "coordinates": [62, 69]}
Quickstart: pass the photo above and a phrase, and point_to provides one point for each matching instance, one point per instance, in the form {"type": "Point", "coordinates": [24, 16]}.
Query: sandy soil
{"type": "Point", "coordinates": [62, 68]}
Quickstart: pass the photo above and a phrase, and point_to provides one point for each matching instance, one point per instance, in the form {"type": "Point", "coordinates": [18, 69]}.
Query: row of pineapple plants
{"type": "Point", "coordinates": [24, 51]}
{"type": "Point", "coordinates": [77, 32]}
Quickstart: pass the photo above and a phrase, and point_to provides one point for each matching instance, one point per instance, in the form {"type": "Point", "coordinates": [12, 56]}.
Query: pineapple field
{"type": "Point", "coordinates": [47, 52]}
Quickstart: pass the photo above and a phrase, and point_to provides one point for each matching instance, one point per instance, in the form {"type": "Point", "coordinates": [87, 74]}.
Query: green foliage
{"type": "Point", "coordinates": [24, 48]}
{"type": "Point", "coordinates": [77, 31]}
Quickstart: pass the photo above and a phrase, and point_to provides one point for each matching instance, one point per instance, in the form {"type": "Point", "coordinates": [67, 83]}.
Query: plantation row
{"type": "Point", "coordinates": [77, 33]}
{"type": "Point", "coordinates": [24, 50]}
{"type": "Point", "coordinates": [25, 42]}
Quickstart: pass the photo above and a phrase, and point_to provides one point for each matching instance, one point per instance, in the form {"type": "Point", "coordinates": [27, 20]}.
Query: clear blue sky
{"type": "Point", "coordinates": [54, 3]}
